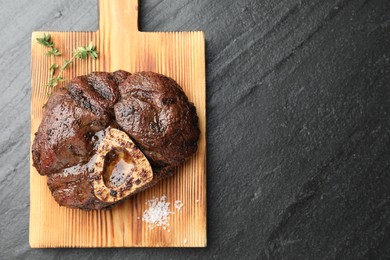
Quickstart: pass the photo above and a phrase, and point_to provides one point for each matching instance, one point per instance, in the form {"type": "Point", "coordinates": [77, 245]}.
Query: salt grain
{"type": "Point", "coordinates": [178, 205]}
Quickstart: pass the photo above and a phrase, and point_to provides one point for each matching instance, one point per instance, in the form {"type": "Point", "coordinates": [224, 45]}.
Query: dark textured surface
{"type": "Point", "coordinates": [171, 138]}
{"type": "Point", "coordinates": [298, 96]}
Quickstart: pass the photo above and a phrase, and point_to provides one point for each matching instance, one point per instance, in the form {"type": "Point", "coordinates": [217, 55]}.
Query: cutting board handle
{"type": "Point", "coordinates": [117, 17]}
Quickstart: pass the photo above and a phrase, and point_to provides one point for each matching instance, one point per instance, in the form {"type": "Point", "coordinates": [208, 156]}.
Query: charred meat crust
{"type": "Point", "coordinates": [156, 113]}
{"type": "Point", "coordinates": [76, 191]}
{"type": "Point", "coordinates": [151, 108]}
{"type": "Point", "coordinates": [64, 135]}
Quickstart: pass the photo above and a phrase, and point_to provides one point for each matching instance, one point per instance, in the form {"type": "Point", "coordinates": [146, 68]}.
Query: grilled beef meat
{"type": "Point", "coordinates": [156, 113]}
{"type": "Point", "coordinates": [76, 190]}
{"type": "Point", "coordinates": [71, 149]}
{"type": "Point", "coordinates": [64, 137]}
{"type": "Point", "coordinates": [116, 170]}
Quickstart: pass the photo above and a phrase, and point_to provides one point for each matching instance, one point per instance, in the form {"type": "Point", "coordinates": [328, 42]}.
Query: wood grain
{"type": "Point", "coordinates": [180, 55]}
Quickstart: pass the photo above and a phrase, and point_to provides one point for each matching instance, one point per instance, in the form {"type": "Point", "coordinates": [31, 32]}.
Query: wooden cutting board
{"type": "Point", "coordinates": [180, 55]}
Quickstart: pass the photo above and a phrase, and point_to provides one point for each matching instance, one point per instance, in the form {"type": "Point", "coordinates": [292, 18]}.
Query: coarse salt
{"type": "Point", "coordinates": [158, 213]}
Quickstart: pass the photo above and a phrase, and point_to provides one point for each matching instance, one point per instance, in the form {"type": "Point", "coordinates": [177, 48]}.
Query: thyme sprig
{"type": "Point", "coordinates": [48, 42]}
{"type": "Point", "coordinates": [81, 53]}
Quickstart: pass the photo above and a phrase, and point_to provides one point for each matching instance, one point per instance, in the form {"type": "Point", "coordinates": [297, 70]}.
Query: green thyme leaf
{"type": "Point", "coordinates": [84, 52]}
{"type": "Point", "coordinates": [53, 69]}
{"type": "Point", "coordinates": [54, 52]}
{"type": "Point", "coordinates": [46, 40]}
{"type": "Point", "coordinates": [54, 66]}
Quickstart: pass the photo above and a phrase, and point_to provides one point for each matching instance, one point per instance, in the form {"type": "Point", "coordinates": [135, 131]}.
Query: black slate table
{"type": "Point", "coordinates": [298, 110]}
